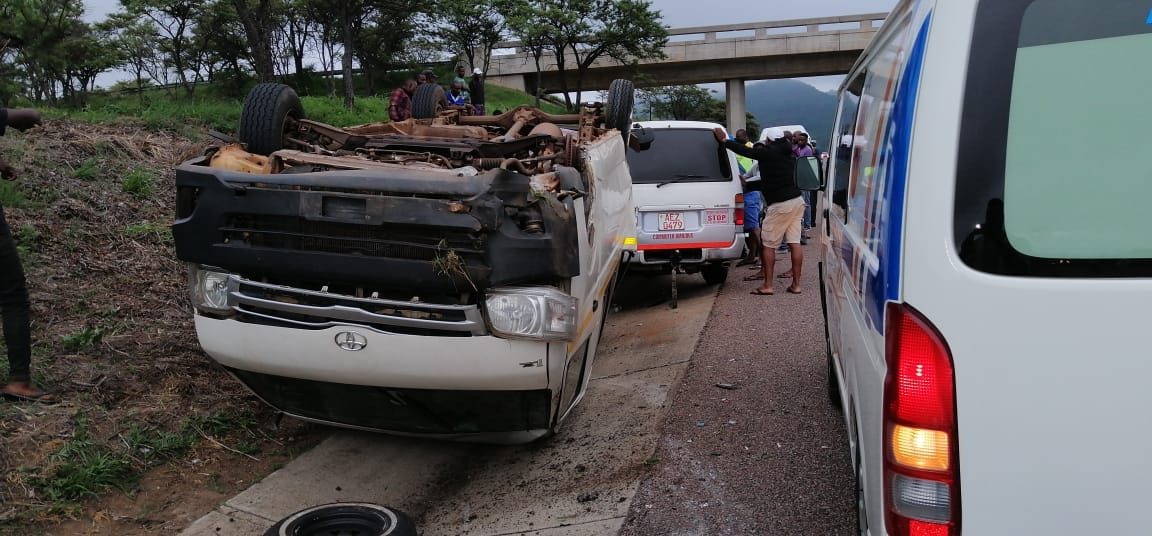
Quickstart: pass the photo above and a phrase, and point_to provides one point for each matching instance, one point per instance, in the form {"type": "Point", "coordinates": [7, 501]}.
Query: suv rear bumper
{"type": "Point", "coordinates": [650, 254]}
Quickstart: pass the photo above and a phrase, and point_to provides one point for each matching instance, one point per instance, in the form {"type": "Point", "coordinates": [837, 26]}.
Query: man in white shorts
{"type": "Point", "coordinates": [783, 205]}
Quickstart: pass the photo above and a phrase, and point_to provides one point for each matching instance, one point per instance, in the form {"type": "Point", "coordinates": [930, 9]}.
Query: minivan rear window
{"type": "Point", "coordinates": [1053, 172]}
{"type": "Point", "coordinates": [679, 155]}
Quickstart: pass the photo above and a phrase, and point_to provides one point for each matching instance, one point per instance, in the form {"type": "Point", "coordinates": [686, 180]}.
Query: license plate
{"type": "Point", "coordinates": [671, 221]}
{"type": "Point", "coordinates": [716, 217]}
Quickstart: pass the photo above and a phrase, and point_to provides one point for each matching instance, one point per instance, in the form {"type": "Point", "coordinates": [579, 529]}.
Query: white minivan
{"type": "Point", "coordinates": [986, 268]}
{"type": "Point", "coordinates": [689, 201]}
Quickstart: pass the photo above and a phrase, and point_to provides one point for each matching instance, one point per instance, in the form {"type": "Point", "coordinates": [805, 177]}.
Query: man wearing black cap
{"type": "Point", "coordinates": [783, 205]}
{"type": "Point", "coordinates": [476, 90]}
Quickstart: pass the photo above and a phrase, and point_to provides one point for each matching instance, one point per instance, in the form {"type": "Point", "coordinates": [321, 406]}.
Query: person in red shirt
{"type": "Point", "coordinates": [400, 102]}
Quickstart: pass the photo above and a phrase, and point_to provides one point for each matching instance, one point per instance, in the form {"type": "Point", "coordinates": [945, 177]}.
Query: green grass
{"type": "Point", "coordinates": [140, 182]}
{"type": "Point", "coordinates": [504, 99]}
{"type": "Point", "coordinates": [159, 111]}
{"type": "Point", "coordinates": [152, 446]}
{"type": "Point", "coordinates": [83, 469]}
{"type": "Point", "coordinates": [27, 236]}
{"type": "Point", "coordinates": [11, 196]}
{"type": "Point", "coordinates": [160, 231]}
{"type": "Point", "coordinates": [85, 338]}
{"type": "Point", "coordinates": [89, 169]}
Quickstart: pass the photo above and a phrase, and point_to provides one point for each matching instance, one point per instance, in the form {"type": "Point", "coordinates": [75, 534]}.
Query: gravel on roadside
{"type": "Point", "coordinates": [751, 444]}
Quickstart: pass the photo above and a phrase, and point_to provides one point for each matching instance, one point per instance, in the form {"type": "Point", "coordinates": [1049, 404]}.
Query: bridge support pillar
{"type": "Point", "coordinates": [736, 107]}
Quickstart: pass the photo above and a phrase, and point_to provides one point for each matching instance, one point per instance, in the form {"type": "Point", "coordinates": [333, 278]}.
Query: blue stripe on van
{"type": "Point", "coordinates": [885, 286]}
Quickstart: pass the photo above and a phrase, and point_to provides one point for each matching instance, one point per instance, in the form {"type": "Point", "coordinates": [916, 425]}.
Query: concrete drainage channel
{"type": "Point", "coordinates": [578, 483]}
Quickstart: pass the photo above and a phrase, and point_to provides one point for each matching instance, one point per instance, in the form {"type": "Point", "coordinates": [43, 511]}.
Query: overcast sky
{"type": "Point", "coordinates": [683, 13]}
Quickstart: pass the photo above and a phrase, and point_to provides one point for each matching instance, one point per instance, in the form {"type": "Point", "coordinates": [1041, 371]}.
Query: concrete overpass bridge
{"type": "Point", "coordinates": [732, 53]}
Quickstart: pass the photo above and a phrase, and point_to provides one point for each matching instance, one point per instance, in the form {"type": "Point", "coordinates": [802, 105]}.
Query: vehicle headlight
{"type": "Point", "coordinates": [531, 313]}
{"type": "Point", "coordinates": [210, 290]}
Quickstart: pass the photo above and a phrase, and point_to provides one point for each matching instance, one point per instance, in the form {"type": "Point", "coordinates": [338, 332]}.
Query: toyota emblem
{"type": "Point", "coordinates": [351, 341]}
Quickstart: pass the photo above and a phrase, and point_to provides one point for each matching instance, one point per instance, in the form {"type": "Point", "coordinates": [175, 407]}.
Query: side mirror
{"type": "Point", "coordinates": [807, 174]}
{"type": "Point", "coordinates": [641, 139]}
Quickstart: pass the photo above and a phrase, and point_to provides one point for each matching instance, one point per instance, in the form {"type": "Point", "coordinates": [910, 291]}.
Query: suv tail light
{"type": "Point", "coordinates": [921, 477]}
{"type": "Point", "coordinates": [739, 212]}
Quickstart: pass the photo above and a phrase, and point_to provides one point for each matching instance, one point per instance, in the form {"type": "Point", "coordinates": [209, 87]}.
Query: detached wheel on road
{"type": "Point", "coordinates": [268, 112]}
{"type": "Point", "coordinates": [426, 101]}
{"type": "Point", "coordinates": [359, 519]}
{"type": "Point", "coordinates": [714, 273]}
{"type": "Point", "coordinates": [618, 109]}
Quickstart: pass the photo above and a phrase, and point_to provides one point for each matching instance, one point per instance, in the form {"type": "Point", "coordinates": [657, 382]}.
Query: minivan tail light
{"type": "Point", "coordinates": [739, 212]}
{"type": "Point", "coordinates": [921, 476]}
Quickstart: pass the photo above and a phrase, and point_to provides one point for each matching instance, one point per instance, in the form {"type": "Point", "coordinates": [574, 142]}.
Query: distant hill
{"type": "Point", "coordinates": [792, 102]}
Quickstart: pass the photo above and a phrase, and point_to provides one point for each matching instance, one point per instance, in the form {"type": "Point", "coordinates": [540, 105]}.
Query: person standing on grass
{"type": "Point", "coordinates": [476, 90]}
{"type": "Point", "coordinates": [14, 303]}
{"type": "Point", "coordinates": [783, 206]}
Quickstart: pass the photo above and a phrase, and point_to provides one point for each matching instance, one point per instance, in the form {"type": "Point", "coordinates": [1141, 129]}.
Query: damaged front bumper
{"type": "Point", "coordinates": [399, 232]}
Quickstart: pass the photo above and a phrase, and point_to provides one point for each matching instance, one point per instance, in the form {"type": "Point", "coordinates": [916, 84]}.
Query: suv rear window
{"type": "Point", "coordinates": [680, 155]}
{"type": "Point", "coordinates": [1053, 175]}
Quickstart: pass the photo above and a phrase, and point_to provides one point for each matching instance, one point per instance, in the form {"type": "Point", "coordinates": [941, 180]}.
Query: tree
{"type": "Point", "coordinates": [135, 44]}
{"type": "Point", "coordinates": [85, 54]}
{"type": "Point", "coordinates": [174, 22]}
{"type": "Point", "coordinates": [576, 33]}
{"type": "Point", "coordinates": [383, 34]}
{"type": "Point", "coordinates": [470, 29]}
{"type": "Point", "coordinates": [681, 102]}
{"type": "Point", "coordinates": [624, 30]}
{"type": "Point", "coordinates": [259, 26]}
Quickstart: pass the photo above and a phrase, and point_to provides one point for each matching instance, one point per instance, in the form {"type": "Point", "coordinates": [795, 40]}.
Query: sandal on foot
{"type": "Point", "coordinates": [760, 292]}
{"type": "Point", "coordinates": [793, 290]}
{"type": "Point", "coordinates": [43, 397]}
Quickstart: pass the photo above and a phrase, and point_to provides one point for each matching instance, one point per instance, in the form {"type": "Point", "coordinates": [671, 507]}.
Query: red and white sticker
{"type": "Point", "coordinates": [717, 217]}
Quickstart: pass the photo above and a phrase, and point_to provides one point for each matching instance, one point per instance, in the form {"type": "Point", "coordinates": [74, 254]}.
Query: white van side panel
{"type": "Point", "coordinates": [1052, 375]}
{"type": "Point", "coordinates": [862, 252]}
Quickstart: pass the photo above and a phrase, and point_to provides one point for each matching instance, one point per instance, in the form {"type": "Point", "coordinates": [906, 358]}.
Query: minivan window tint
{"type": "Point", "coordinates": [680, 155]}
{"type": "Point", "coordinates": [1053, 175]}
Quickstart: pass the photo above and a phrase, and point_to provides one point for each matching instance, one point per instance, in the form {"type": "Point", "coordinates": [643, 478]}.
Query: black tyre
{"type": "Point", "coordinates": [268, 110]}
{"type": "Point", "coordinates": [618, 109]}
{"type": "Point", "coordinates": [345, 518]}
{"type": "Point", "coordinates": [861, 500]}
{"type": "Point", "coordinates": [833, 383]}
{"type": "Point", "coordinates": [426, 101]}
{"type": "Point", "coordinates": [714, 273]}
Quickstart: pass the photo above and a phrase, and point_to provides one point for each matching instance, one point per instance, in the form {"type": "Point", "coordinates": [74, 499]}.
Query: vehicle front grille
{"type": "Point", "coordinates": [395, 242]}
{"type": "Point", "coordinates": [268, 304]}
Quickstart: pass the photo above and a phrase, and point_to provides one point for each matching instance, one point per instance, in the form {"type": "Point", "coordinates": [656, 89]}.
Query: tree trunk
{"type": "Point", "coordinates": [346, 61]}
{"type": "Point", "coordinates": [258, 27]}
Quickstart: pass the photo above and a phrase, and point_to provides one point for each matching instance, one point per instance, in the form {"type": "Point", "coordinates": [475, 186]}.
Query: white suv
{"type": "Point", "coordinates": [689, 202]}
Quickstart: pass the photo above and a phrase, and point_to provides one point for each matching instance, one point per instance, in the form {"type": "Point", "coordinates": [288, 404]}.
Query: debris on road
{"type": "Point", "coordinates": [728, 386]}
{"type": "Point", "coordinates": [587, 497]}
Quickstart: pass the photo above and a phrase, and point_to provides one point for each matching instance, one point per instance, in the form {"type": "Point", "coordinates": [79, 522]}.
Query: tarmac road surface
{"type": "Point", "coordinates": [769, 457]}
